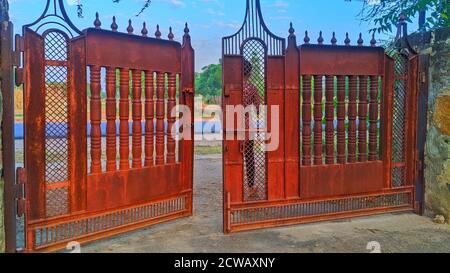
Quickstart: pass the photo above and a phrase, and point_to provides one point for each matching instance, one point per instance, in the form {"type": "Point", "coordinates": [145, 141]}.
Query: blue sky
{"type": "Point", "coordinates": [210, 20]}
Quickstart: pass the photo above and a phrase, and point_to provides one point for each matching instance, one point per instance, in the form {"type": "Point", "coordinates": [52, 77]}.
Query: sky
{"type": "Point", "coordinates": [210, 20]}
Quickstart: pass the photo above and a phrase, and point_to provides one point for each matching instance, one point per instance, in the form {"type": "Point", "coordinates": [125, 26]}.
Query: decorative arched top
{"type": "Point", "coordinates": [254, 27]}
{"type": "Point", "coordinates": [54, 16]}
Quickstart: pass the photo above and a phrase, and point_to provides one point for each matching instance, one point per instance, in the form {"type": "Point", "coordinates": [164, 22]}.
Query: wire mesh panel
{"type": "Point", "coordinates": [255, 186]}
{"type": "Point", "coordinates": [56, 127]}
{"type": "Point", "coordinates": [399, 120]}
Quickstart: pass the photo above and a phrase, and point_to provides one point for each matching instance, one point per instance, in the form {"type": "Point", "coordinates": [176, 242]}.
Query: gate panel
{"type": "Point", "coordinates": [346, 127]}
{"type": "Point", "coordinates": [84, 181]}
{"type": "Point", "coordinates": [353, 77]}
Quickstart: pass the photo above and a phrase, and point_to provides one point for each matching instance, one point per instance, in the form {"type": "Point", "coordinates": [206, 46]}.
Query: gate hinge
{"type": "Point", "coordinates": [20, 191]}
{"type": "Point", "coordinates": [17, 59]}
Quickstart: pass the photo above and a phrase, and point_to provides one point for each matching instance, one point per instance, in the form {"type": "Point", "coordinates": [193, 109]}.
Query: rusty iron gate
{"type": "Point", "coordinates": [81, 186]}
{"type": "Point", "coordinates": [342, 119]}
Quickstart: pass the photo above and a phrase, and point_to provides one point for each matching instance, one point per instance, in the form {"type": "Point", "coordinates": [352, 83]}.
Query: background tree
{"type": "Point", "coordinates": [384, 14]}
{"type": "Point", "coordinates": [208, 83]}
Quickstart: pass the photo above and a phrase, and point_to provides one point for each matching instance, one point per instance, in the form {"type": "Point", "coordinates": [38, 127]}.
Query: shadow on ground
{"type": "Point", "coordinates": [203, 232]}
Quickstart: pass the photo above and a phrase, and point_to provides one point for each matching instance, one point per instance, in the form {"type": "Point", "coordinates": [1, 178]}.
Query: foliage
{"type": "Point", "coordinates": [208, 83]}
{"type": "Point", "coordinates": [385, 13]}
{"type": "Point", "coordinates": [143, 8]}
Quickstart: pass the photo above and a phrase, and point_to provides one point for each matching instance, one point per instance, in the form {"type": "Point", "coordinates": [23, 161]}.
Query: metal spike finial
{"type": "Point", "coordinates": [347, 39]}
{"type": "Point", "coordinates": [144, 30]}
{"type": "Point", "coordinates": [291, 30]}
{"type": "Point", "coordinates": [158, 32]}
{"type": "Point", "coordinates": [334, 40]}
{"type": "Point", "coordinates": [186, 29]}
{"type": "Point", "coordinates": [402, 27]}
{"type": "Point", "coordinates": [360, 40]}
{"type": "Point", "coordinates": [97, 22]}
{"type": "Point", "coordinates": [373, 42]}
{"type": "Point", "coordinates": [171, 36]}
{"type": "Point", "coordinates": [306, 39]}
{"type": "Point", "coordinates": [186, 36]}
{"type": "Point", "coordinates": [114, 25]}
{"type": "Point", "coordinates": [320, 40]}
{"type": "Point", "coordinates": [130, 28]}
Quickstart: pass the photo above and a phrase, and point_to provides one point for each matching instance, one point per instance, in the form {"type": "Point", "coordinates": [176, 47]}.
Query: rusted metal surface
{"type": "Point", "coordinates": [337, 148]}
{"type": "Point", "coordinates": [424, 62]}
{"type": "Point", "coordinates": [11, 195]}
{"type": "Point", "coordinates": [80, 188]}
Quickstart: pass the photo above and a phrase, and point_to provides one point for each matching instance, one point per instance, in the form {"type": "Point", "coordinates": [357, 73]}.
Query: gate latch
{"type": "Point", "coordinates": [241, 147]}
{"type": "Point", "coordinates": [20, 191]}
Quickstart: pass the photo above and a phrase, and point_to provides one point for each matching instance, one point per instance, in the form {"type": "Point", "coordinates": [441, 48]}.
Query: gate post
{"type": "Point", "coordinates": [422, 120]}
{"type": "Point", "coordinates": [8, 156]}
{"type": "Point", "coordinates": [187, 89]}
{"type": "Point", "coordinates": [292, 116]}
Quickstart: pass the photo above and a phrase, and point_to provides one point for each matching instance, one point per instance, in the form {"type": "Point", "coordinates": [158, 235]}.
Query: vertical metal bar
{"type": "Point", "coordinates": [318, 115]}
{"type": "Point", "coordinates": [149, 117]}
{"type": "Point", "coordinates": [306, 117]}
{"type": "Point", "coordinates": [352, 119]}
{"type": "Point", "coordinates": [362, 130]}
{"type": "Point", "coordinates": [373, 119]}
{"type": "Point", "coordinates": [341, 158]}
{"type": "Point", "coordinates": [137, 119]}
{"type": "Point", "coordinates": [422, 131]}
{"type": "Point", "coordinates": [171, 104]}
{"type": "Point", "coordinates": [329, 109]}
{"type": "Point", "coordinates": [387, 119]}
{"type": "Point", "coordinates": [111, 109]}
{"type": "Point", "coordinates": [124, 119]}
{"type": "Point", "coordinates": [160, 92]}
{"type": "Point", "coordinates": [96, 116]}
{"type": "Point", "coordinates": [77, 110]}
{"type": "Point", "coordinates": [8, 145]}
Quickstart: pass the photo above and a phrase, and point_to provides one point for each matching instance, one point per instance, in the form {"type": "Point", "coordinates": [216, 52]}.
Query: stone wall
{"type": "Point", "coordinates": [437, 151]}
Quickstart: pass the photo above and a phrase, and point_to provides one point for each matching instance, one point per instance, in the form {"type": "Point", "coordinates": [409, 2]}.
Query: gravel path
{"type": "Point", "coordinates": [203, 232]}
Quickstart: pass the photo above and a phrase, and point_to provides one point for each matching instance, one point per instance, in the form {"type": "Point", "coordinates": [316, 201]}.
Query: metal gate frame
{"type": "Point", "coordinates": [105, 200]}
{"type": "Point", "coordinates": [308, 180]}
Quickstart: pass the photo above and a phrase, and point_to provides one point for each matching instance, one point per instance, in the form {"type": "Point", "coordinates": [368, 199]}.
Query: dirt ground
{"type": "Point", "coordinates": [203, 232]}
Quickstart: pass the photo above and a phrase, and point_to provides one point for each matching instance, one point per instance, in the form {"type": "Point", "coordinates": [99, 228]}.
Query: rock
{"type": "Point", "coordinates": [442, 112]}
{"type": "Point", "coordinates": [439, 219]}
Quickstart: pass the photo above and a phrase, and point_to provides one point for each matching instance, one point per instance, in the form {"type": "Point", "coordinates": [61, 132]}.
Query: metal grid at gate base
{"type": "Point", "coordinates": [399, 119]}
{"type": "Point", "coordinates": [85, 226]}
{"type": "Point", "coordinates": [318, 208]}
{"type": "Point", "coordinates": [255, 185]}
{"type": "Point", "coordinates": [56, 128]}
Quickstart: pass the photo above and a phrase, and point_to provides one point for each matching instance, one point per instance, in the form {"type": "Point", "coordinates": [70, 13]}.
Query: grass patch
{"type": "Point", "coordinates": [208, 150]}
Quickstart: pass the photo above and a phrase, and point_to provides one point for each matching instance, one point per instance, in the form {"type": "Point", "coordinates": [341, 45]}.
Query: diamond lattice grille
{"type": "Point", "coordinates": [399, 119]}
{"type": "Point", "coordinates": [255, 185]}
{"type": "Point", "coordinates": [56, 127]}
